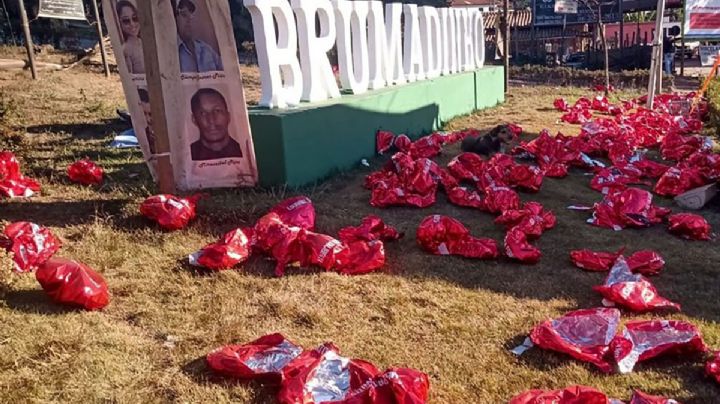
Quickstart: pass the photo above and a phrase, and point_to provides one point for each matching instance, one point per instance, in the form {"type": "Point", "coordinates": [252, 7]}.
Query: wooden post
{"type": "Point", "coordinates": [601, 27]}
{"type": "Point", "coordinates": [506, 44]}
{"type": "Point", "coordinates": [656, 55]}
{"type": "Point", "coordinates": [166, 179]}
{"type": "Point", "coordinates": [28, 38]}
{"type": "Point", "coordinates": [100, 38]}
{"type": "Point", "coordinates": [682, 44]}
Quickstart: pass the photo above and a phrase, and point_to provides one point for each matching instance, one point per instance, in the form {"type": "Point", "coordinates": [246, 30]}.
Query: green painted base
{"type": "Point", "coordinates": [302, 145]}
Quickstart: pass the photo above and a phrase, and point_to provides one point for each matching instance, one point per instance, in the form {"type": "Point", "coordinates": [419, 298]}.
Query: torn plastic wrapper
{"type": "Point", "coordinates": [643, 340]}
{"type": "Point", "coordinates": [498, 199]}
{"type": "Point", "coordinates": [426, 147]}
{"type": "Point", "coordinates": [712, 367]}
{"type": "Point", "coordinates": [676, 181]}
{"type": "Point", "coordinates": [639, 397]}
{"type": "Point", "coordinates": [596, 261]}
{"type": "Point", "coordinates": [614, 179]}
{"type": "Point", "coordinates": [632, 207]}
{"type": "Point", "coordinates": [31, 245]}
{"type": "Point", "coordinates": [233, 248]}
{"type": "Point", "coordinates": [371, 228]}
{"type": "Point", "coordinates": [467, 166]}
{"type": "Point", "coordinates": [442, 235]}
{"type": "Point", "coordinates": [298, 211]}
{"type": "Point", "coordinates": [518, 248]}
{"type": "Point", "coordinates": [263, 359]}
{"type": "Point", "coordinates": [402, 142]}
{"type": "Point", "coordinates": [9, 166]}
{"type": "Point", "coordinates": [577, 116]}
{"type": "Point", "coordinates": [85, 172]}
{"type": "Point", "coordinates": [384, 141]}
{"type": "Point", "coordinates": [532, 219]}
{"type": "Point", "coordinates": [322, 375]}
{"type": "Point", "coordinates": [169, 211]}
{"type": "Point", "coordinates": [569, 395]}
{"type": "Point", "coordinates": [583, 334]}
{"type": "Point", "coordinates": [561, 105]}
{"type": "Point", "coordinates": [21, 187]}
{"type": "Point", "coordinates": [362, 257]}
{"type": "Point", "coordinates": [465, 197]}
{"type": "Point", "coordinates": [689, 226]}
{"type": "Point", "coordinates": [73, 283]}
{"type": "Point", "coordinates": [646, 262]}
{"type": "Point", "coordinates": [529, 178]}
{"type": "Point", "coordinates": [632, 291]}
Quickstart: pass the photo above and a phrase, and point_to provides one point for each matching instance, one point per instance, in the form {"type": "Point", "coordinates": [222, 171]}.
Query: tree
{"type": "Point", "coordinates": [596, 6]}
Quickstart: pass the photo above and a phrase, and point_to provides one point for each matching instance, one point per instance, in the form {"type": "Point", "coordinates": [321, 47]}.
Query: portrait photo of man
{"type": "Point", "coordinates": [196, 55]}
{"type": "Point", "coordinates": [145, 106]}
{"type": "Point", "coordinates": [210, 114]}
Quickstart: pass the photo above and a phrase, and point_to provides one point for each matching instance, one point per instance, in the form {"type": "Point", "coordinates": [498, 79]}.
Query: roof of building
{"type": "Point", "coordinates": [517, 18]}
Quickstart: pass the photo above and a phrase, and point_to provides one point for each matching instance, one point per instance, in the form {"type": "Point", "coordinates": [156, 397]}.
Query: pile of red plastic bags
{"type": "Point", "coordinates": [319, 375]}
{"type": "Point", "coordinates": [12, 183]}
{"type": "Point", "coordinates": [584, 395]}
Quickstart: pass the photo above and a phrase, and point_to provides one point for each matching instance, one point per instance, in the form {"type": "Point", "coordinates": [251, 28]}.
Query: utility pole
{"type": "Point", "coordinates": [657, 56]}
{"type": "Point", "coordinates": [28, 38]}
{"type": "Point", "coordinates": [100, 38]}
{"type": "Point", "coordinates": [601, 27]}
{"type": "Point", "coordinates": [506, 44]}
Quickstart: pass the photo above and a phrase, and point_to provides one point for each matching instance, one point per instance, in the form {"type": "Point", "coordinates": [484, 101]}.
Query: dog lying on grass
{"type": "Point", "coordinates": [499, 140]}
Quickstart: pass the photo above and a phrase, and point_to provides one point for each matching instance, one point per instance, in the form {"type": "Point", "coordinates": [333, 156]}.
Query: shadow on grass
{"type": "Point", "coordinates": [34, 301]}
{"type": "Point", "coordinates": [198, 371]}
{"type": "Point", "coordinates": [96, 130]}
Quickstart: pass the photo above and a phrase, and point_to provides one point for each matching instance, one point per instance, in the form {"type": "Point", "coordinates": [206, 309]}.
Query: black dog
{"type": "Point", "coordinates": [495, 141]}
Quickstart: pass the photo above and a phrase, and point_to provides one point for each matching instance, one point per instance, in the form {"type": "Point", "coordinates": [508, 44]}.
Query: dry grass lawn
{"type": "Point", "coordinates": [452, 318]}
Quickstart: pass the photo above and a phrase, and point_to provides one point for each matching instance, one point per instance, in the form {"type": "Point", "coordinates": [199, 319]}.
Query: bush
{"type": "Point", "coordinates": [713, 96]}
{"type": "Point", "coordinates": [565, 76]}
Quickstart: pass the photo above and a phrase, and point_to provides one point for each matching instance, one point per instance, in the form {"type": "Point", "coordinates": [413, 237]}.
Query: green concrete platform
{"type": "Point", "coordinates": [305, 144]}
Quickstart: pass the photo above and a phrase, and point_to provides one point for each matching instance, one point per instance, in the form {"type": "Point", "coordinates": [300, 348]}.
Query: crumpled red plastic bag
{"type": "Point", "coordinates": [467, 166]}
{"type": "Point", "coordinates": [614, 179]}
{"type": "Point", "coordinates": [532, 219]}
{"type": "Point", "coordinates": [642, 340]}
{"type": "Point", "coordinates": [263, 359]}
{"type": "Point", "coordinates": [426, 147]}
{"type": "Point", "coordinates": [85, 172]}
{"type": "Point", "coordinates": [676, 181]}
{"type": "Point", "coordinates": [73, 283]}
{"type": "Point", "coordinates": [384, 141]}
{"type": "Point", "coordinates": [529, 178]}
{"type": "Point", "coordinates": [596, 261]}
{"type": "Point", "coordinates": [583, 334]}
{"type": "Point", "coordinates": [646, 262]}
{"type": "Point", "coordinates": [443, 235]}
{"type": "Point", "coordinates": [407, 181]}
{"type": "Point", "coordinates": [371, 228]}
{"type": "Point", "coordinates": [639, 397]}
{"type": "Point", "coordinates": [403, 142]}
{"type": "Point", "coordinates": [12, 183]}
{"type": "Point", "coordinates": [689, 226]}
{"type": "Point", "coordinates": [362, 257]}
{"type": "Point", "coordinates": [498, 199]}
{"type": "Point", "coordinates": [632, 291]}
{"type": "Point", "coordinates": [169, 211]}
{"type": "Point", "coordinates": [576, 116]}
{"type": "Point", "coordinates": [632, 207]}
{"type": "Point", "coordinates": [712, 367]}
{"type": "Point", "coordinates": [569, 395]}
{"type": "Point", "coordinates": [298, 211]}
{"type": "Point", "coordinates": [466, 197]}
{"type": "Point", "coordinates": [561, 105]}
{"type": "Point", "coordinates": [32, 245]}
{"type": "Point", "coordinates": [233, 248]}
{"type": "Point", "coordinates": [518, 248]}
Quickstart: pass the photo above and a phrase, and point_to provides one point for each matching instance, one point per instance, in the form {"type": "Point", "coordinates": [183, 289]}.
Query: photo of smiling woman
{"type": "Point", "coordinates": [129, 25]}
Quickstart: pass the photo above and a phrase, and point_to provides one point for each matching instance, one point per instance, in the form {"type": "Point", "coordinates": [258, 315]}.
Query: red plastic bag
{"type": "Point", "coordinates": [442, 235]}
{"type": "Point", "coordinates": [639, 397]}
{"type": "Point", "coordinates": [583, 334]}
{"type": "Point", "coordinates": [85, 172]}
{"type": "Point", "coordinates": [518, 248]}
{"type": "Point", "coordinates": [402, 142]}
{"type": "Point", "coordinates": [384, 141]}
{"type": "Point", "coordinates": [532, 219]}
{"type": "Point", "coordinates": [298, 211]}
{"type": "Point", "coordinates": [632, 291]}
{"type": "Point", "coordinates": [712, 367]}
{"type": "Point", "coordinates": [233, 248]}
{"type": "Point", "coordinates": [21, 187]}
{"type": "Point", "coordinates": [632, 207]}
{"type": "Point", "coordinates": [594, 261]}
{"type": "Point", "coordinates": [676, 181]}
{"type": "Point", "coordinates": [426, 147]}
{"type": "Point", "coordinates": [561, 105]}
{"type": "Point", "coordinates": [371, 228]}
{"type": "Point", "coordinates": [613, 179]}
{"type": "Point", "coordinates": [529, 178]}
{"type": "Point", "coordinates": [646, 262]}
{"type": "Point", "coordinates": [362, 257]}
{"type": "Point", "coordinates": [642, 340]}
{"type": "Point", "coordinates": [169, 211]}
{"type": "Point", "coordinates": [9, 166]}
{"type": "Point", "coordinates": [263, 359]}
{"type": "Point", "coordinates": [499, 199]}
{"type": "Point", "coordinates": [465, 197]}
{"type": "Point", "coordinates": [319, 250]}
{"type": "Point", "coordinates": [689, 226]}
{"type": "Point", "coordinates": [467, 166]}
{"type": "Point", "coordinates": [73, 283]}
{"type": "Point", "coordinates": [31, 245]}
{"type": "Point", "coordinates": [569, 395]}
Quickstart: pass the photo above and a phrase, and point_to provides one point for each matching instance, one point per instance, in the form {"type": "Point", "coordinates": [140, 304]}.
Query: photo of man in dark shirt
{"type": "Point", "coordinates": [145, 105]}
{"type": "Point", "coordinates": [211, 116]}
